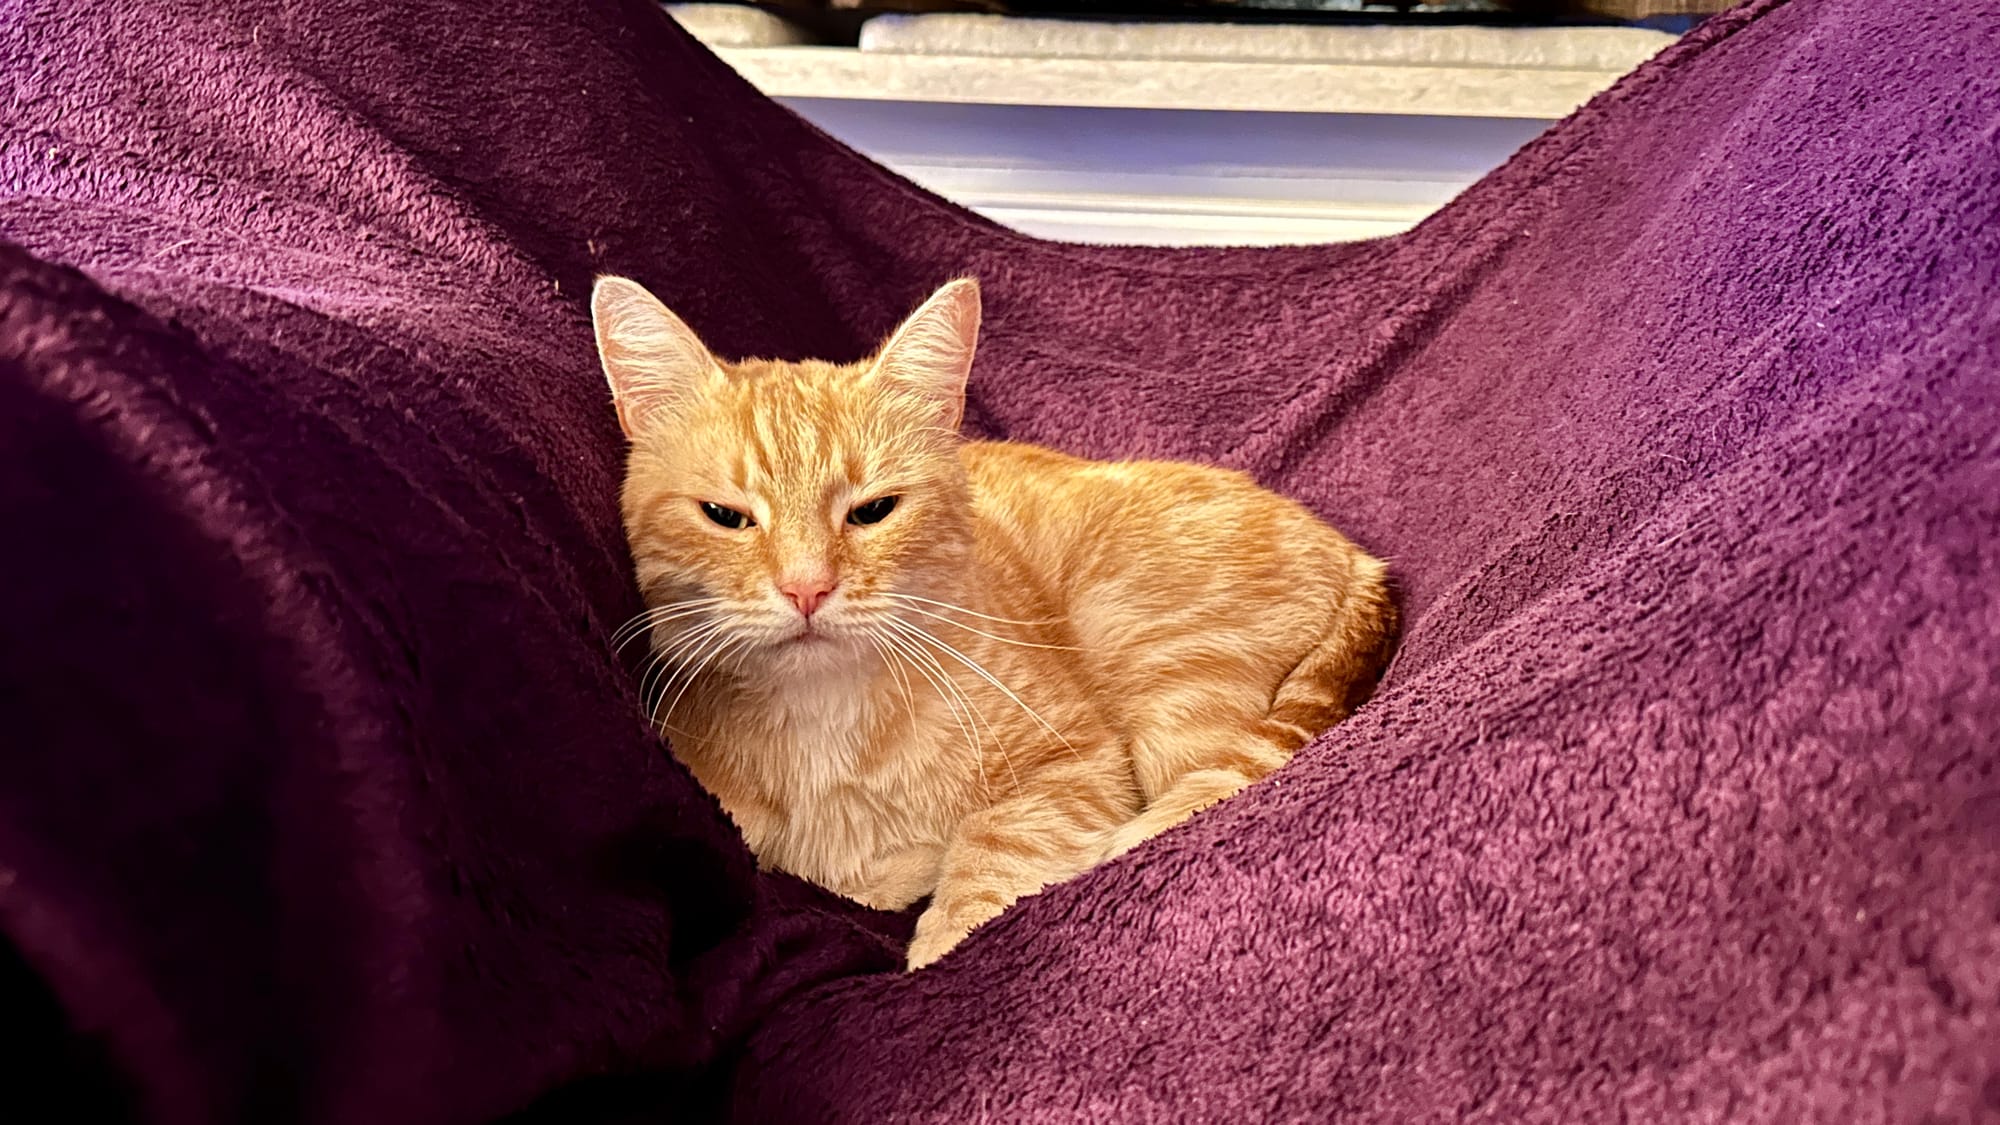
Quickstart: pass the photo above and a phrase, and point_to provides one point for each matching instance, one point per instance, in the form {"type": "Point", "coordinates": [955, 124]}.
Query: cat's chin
{"type": "Point", "coordinates": [809, 652]}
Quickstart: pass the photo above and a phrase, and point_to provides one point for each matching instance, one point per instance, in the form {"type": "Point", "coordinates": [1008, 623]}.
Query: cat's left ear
{"type": "Point", "coordinates": [931, 354]}
{"type": "Point", "coordinates": [652, 359]}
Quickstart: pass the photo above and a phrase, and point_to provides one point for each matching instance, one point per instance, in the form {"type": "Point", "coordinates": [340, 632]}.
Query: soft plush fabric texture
{"type": "Point", "coordinates": [325, 798]}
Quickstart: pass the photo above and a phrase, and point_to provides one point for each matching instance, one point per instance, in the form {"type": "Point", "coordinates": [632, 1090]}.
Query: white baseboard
{"type": "Point", "coordinates": [1182, 134]}
{"type": "Point", "coordinates": [1164, 177]}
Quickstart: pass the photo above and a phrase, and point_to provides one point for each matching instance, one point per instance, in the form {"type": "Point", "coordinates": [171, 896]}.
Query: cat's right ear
{"type": "Point", "coordinates": [930, 355]}
{"type": "Point", "coordinates": [652, 360]}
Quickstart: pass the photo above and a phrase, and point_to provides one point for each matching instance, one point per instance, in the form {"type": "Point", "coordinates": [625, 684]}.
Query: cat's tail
{"type": "Point", "coordinates": [1340, 672]}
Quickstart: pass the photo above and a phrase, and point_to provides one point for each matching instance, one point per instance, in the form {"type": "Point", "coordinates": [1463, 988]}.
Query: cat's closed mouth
{"type": "Point", "coordinates": [807, 635]}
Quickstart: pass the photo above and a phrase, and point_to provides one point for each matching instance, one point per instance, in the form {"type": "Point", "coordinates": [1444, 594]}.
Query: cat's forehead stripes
{"type": "Point", "coordinates": [800, 435]}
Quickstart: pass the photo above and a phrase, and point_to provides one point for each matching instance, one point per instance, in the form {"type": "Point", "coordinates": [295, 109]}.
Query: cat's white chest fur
{"type": "Point", "coordinates": [869, 821]}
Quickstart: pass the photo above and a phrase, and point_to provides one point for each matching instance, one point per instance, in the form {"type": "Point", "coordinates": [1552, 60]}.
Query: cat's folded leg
{"type": "Point", "coordinates": [1197, 769]}
{"type": "Point", "coordinates": [1017, 846]}
{"type": "Point", "coordinates": [898, 879]}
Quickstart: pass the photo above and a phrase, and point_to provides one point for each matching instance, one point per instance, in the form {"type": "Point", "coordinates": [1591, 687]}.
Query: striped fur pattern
{"type": "Point", "coordinates": [1030, 664]}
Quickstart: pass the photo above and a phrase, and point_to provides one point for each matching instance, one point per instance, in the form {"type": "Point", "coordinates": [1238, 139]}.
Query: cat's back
{"type": "Point", "coordinates": [1150, 536]}
{"type": "Point", "coordinates": [1043, 494]}
{"type": "Point", "coordinates": [996, 462]}
{"type": "Point", "coordinates": [1015, 476]}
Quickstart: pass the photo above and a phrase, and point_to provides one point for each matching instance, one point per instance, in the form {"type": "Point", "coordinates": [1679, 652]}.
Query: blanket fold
{"type": "Point", "coordinates": [327, 798]}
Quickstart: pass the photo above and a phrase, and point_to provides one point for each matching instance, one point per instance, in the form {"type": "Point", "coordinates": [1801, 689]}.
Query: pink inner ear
{"type": "Point", "coordinates": [931, 353]}
{"type": "Point", "coordinates": [650, 357]}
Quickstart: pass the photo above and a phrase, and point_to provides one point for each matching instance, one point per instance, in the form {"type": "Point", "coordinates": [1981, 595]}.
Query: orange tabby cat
{"type": "Point", "coordinates": [912, 665]}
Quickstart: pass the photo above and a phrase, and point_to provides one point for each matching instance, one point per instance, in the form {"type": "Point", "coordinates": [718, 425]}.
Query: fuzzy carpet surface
{"type": "Point", "coordinates": [325, 799]}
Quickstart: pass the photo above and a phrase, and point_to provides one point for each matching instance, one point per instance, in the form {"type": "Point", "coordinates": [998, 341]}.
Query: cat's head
{"type": "Point", "coordinates": [776, 511]}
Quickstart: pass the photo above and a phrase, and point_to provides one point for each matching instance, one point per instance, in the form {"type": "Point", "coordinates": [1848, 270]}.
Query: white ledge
{"type": "Point", "coordinates": [1560, 47]}
{"type": "Point", "coordinates": [1544, 93]}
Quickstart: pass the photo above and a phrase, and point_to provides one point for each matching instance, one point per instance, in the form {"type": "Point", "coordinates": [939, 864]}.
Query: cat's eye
{"type": "Point", "coordinates": [727, 517]}
{"type": "Point", "coordinates": [874, 511]}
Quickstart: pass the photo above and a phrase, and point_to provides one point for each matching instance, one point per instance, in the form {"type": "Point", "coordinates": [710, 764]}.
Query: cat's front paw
{"type": "Point", "coordinates": [1122, 839]}
{"type": "Point", "coordinates": [929, 946]}
{"type": "Point", "coordinates": [939, 931]}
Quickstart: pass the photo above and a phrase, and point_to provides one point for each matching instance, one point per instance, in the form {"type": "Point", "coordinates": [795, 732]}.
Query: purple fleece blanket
{"type": "Point", "coordinates": [324, 797]}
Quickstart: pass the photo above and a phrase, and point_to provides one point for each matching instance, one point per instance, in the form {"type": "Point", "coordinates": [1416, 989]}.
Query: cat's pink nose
{"type": "Point", "coordinates": [807, 594]}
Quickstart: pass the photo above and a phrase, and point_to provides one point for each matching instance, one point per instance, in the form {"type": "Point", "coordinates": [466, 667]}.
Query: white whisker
{"type": "Point", "coordinates": [919, 658]}
{"type": "Point", "coordinates": [989, 677]}
{"type": "Point", "coordinates": [641, 618]}
{"type": "Point", "coordinates": [669, 653]}
{"type": "Point", "coordinates": [672, 654]}
{"type": "Point", "coordinates": [984, 633]}
{"type": "Point", "coordinates": [680, 735]}
{"type": "Point", "coordinates": [945, 688]}
{"type": "Point", "coordinates": [710, 660]}
{"type": "Point", "coordinates": [643, 622]}
{"type": "Point", "coordinates": [962, 710]}
{"type": "Point", "coordinates": [973, 612]}
{"type": "Point", "coordinates": [656, 661]}
{"type": "Point", "coordinates": [896, 671]}
{"type": "Point", "coordinates": [694, 668]}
